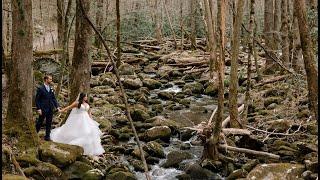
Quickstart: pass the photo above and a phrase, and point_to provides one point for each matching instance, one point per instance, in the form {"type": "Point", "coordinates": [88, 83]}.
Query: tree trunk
{"type": "Point", "coordinates": [118, 33]}
{"type": "Point", "coordinates": [81, 65]}
{"type": "Point", "coordinates": [61, 24]}
{"type": "Point", "coordinates": [277, 24]}
{"type": "Point", "coordinates": [234, 66]}
{"type": "Point", "coordinates": [250, 45]}
{"type": "Point", "coordinates": [268, 28]}
{"type": "Point", "coordinates": [99, 22]}
{"type": "Point", "coordinates": [19, 122]}
{"type": "Point", "coordinates": [308, 57]}
{"type": "Point", "coordinates": [285, 33]}
{"type": "Point", "coordinates": [297, 54]}
{"type": "Point", "coordinates": [181, 24]}
{"type": "Point", "coordinates": [157, 21]}
{"type": "Point", "coordinates": [193, 24]}
{"type": "Point", "coordinates": [170, 24]}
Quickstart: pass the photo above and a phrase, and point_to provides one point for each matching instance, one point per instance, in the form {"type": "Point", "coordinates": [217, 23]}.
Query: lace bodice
{"type": "Point", "coordinates": [83, 107]}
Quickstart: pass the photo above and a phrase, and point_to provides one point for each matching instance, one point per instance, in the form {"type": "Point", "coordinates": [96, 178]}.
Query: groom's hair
{"type": "Point", "coordinates": [46, 77]}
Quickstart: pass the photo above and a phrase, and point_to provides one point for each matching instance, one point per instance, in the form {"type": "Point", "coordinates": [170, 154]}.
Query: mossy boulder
{"type": "Point", "coordinates": [270, 100]}
{"type": "Point", "coordinates": [108, 79]}
{"type": "Point", "coordinates": [105, 124]}
{"type": "Point", "coordinates": [77, 170]}
{"type": "Point", "coordinates": [103, 90]}
{"type": "Point", "coordinates": [197, 172]}
{"type": "Point", "coordinates": [59, 154]}
{"type": "Point", "coordinates": [279, 125]}
{"type": "Point", "coordinates": [212, 89]}
{"type": "Point", "coordinates": [176, 157]}
{"type": "Point", "coordinates": [136, 153]}
{"type": "Point", "coordinates": [151, 83]}
{"type": "Point", "coordinates": [138, 165]}
{"type": "Point", "coordinates": [121, 175]}
{"type": "Point", "coordinates": [13, 177]}
{"type": "Point", "coordinates": [276, 171]}
{"type": "Point", "coordinates": [162, 132]}
{"type": "Point", "coordinates": [133, 84]}
{"type": "Point", "coordinates": [154, 149]}
{"type": "Point", "coordinates": [44, 169]}
{"type": "Point", "coordinates": [26, 160]}
{"type": "Point", "coordinates": [126, 69]}
{"type": "Point", "coordinates": [93, 174]}
{"type": "Point", "coordinates": [195, 87]}
{"type": "Point", "coordinates": [138, 114]}
{"type": "Point", "coordinates": [165, 95]}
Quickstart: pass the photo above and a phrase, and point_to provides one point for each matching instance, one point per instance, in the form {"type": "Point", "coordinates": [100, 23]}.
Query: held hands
{"type": "Point", "coordinates": [39, 111]}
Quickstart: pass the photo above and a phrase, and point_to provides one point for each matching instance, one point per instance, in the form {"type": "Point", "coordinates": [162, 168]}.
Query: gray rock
{"type": "Point", "coordinates": [176, 157]}
{"type": "Point", "coordinates": [151, 83]}
{"type": "Point", "coordinates": [162, 132]}
{"type": "Point", "coordinates": [195, 87]}
{"type": "Point", "coordinates": [154, 149]}
{"type": "Point", "coordinates": [132, 83]}
{"type": "Point", "coordinates": [126, 69]}
{"type": "Point", "coordinates": [93, 174]}
{"type": "Point", "coordinates": [165, 95]}
{"type": "Point", "coordinates": [76, 170]}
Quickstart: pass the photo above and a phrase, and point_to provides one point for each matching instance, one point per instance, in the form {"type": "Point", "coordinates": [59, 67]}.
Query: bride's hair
{"type": "Point", "coordinates": [80, 100]}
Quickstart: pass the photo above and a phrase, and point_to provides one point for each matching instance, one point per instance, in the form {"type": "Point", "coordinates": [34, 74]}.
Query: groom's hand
{"type": "Point", "coordinates": [39, 111]}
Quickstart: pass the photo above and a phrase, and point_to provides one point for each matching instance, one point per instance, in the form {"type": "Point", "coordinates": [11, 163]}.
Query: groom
{"type": "Point", "coordinates": [46, 102]}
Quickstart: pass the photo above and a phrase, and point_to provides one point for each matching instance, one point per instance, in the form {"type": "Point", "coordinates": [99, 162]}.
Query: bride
{"type": "Point", "coordinates": [80, 129]}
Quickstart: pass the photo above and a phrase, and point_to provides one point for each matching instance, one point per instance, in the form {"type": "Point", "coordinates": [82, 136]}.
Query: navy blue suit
{"type": "Point", "coordinates": [46, 101]}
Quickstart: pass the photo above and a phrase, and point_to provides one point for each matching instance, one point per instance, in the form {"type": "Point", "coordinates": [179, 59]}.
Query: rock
{"type": "Point", "coordinates": [47, 66]}
{"type": "Point", "coordinates": [313, 129]}
{"type": "Point", "coordinates": [306, 174]}
{"type": "Point", "coordinates": [26, 160]}
{"type": "Point", "coordinates": [93, 174]}
{"type": "Point", "coordinates": [136, 153]}
{"type": "Point", "coordinates": [239, 173]}
{"type": "Point", "coordinates": [44, 170]}
{"type": "Point", "coordinates": [108, 79]}
{"type": "Point", "coordinates": [276, 171]}
{"type": "Point", "coordinates": [151, 83]}
{"type": "Point", "coordinates": [195, 87]}
{"type": "Point", "coordinates": [186, 134]}
{"type": "Point", "coordinates": [105, 124]}
{"type": "Point", "coordinates": [152, 160]}
{"type": "Point", "coordinates": [306, 148]}
{"type": "Point", "coordinates": [250, 142]}
{"type": "Point", "coordinates": [120, 175]}
{"type": "Point", "coordinates": [139, 115]}
{"type": "Point", "coordinates": [114, 99]}
{"type": "Point", "coordinates": [162, 121]}
{"type": "Point", "coordinates": [176, 157]}
{"type": "Point", "coordinates": [76, 170]}
{"type": "Point", "coordinates": [250, 164]}
{"type": "Point", "coordinates": [214, 166]}
{"type": "Point", "coordinates": [138, 165]}
{"type": "Point", "coordinates": [13, 177]}
{"type": "Point", "coordinates": [197, 172]}
{"type": "Point", "coordinates": [59, 154]}
{"type": "Point", "coordinates": [154, 101]}
{"type": "Point", "coordinates": [162, 132]}
{"type": "Point", "coordinates": [157, 108]}
{"type": "Point", "coordinates": [165, 95]}
{"type": "Point", "coordinates": [185, 146]}
{"type": "Point", "coordinates": [150, 68]}
{"type": "Point", "coordinates": [279, 125]}
{"type": "Point", "coordinates": [185, 102]}
{"type": "Point", "coordinates": [272, 106]}
{"type": "Point", "coordinates": [154, 149]}
{"type": "Point", "coordinates": [271, 100]}
{"type": "Point", "coordinates": [132, 83]}
{"type": "Point", "coordinates": [183, 177]}
{"type": "Point", "coordinates": [212, 89]}
{"type": "Point", "coordinates": [313, 166]}
{"type": "Point", "coordinates": [126, 69]}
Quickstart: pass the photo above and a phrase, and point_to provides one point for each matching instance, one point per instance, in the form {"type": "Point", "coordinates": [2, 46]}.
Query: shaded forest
{"type": "Point", "coordinates": [195, 89]}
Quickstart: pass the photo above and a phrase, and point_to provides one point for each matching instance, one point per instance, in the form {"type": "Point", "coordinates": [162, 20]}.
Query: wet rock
{"type": "Point", "coordinates": [13, 177]}
{"type": "Point", "coordinates": [126, 69]}
{"type": "Point", "coordinates": [176, 157]}
{"type": "Point", "coordinates": [250, 165]}
{"type": "Point", "coordinates": [162, 132]}
{"type": "Point", "coordinates": [152, 160]}
{"type": "Point", "coordinates": [185, 102]}
{"type": "Point", "coordinates": [270, 100]}
{"type": "Point", "coordinates": [49, 171]}
{"type": "Point", "coordinates": [197, 172]}
{"type": "Point", "coordinates": [239, 173]}
{"type": "Point", "coordinates": [195, 87]}
{"type": "Point", "coordinates": [183, 177]}
{"type": "Point", "coordinates": [249, 142]}
{"type": "Point", "coordinates": [186, 134]}
{"type": "Point", "coordinates": [77, 170]}
{"type": "Point", "coordinates": [154, 149]}
{"type": "Point", "coordinates": [93, 174]}
{"type": "Point", "coordinates": [103, 90]}
{"type": "Point", "coordinates": [276, 171]}
{"type": "Point", "coordinates": [212, 89]}
{"type": "Point", "coordinates": [157, 108]}
{"type": "Point", "coordinates": [139, 115]}
{"type": "Point", "coordinates": [114, 99]}
{"type": "Point", "coordinates": [59, 154]}
{"type": "Point", "coordinates": [162, 121]}
{"type": "Point", "coordinates": [154, 101]}
{"type": "Point", "coordinates": [185, 146]}
{"type": "Point", "coordinates": [136, 153]}
{"type": "Point", "coordinates": [150, 68]}
{"type": "Point", "coordinates": [214, 166]}
{"type": "Point", "coordinates": [151, 83]}
{"type": "Point", "coordinates": [132, 83]}
{"type": "Point", "coordinates": [165, 95]}
{"type": "Point", "coordinates": [120, 175]}
{"type": "Point", "coordinates": [138, 165]}
{"type": "Point", "coordinates": [279, 125]}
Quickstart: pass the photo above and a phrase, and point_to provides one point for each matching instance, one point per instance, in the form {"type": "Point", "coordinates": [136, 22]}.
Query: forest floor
{"type": "Point", "coordinates": [169, 89]}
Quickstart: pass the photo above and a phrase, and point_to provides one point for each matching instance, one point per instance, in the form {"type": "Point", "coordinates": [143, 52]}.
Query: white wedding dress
{"type": "Point", "coordinates": [80, 130]}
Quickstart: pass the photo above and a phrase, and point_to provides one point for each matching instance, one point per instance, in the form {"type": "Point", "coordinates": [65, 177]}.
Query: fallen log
{"type": "Point", "coordinates": [227, 120]}
{"type": "Point", "coordinates": [199, 63]}
{"type": "Point", "coordinates": [235, 131]}
{"type": "Point", "coordinates": [196, 70]}
{"type": "Point", "coordinates": [249, 151]}
{"type": "Point", "coordinates": [272, 80]}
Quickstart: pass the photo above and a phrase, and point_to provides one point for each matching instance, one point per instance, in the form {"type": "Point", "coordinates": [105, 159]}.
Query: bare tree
{"type": "Point", "coordinates": [193, 24]}
{"type": "Point", "coordinates": [19, 122]}
{"type": "Point", "coordinates": [285, 33]}
{"type": "Point", "coordinates": [277, 24]}
{"type": "Point", "coordinates": [99, 21]}
{"type": "Point", "coordinates": [118, 33]}
{"type": "Point", "coordinates": [157, 14]}
{"type": "Point", "coordinates": [234, 122]}
{"type": "Point", "coordinates": [170, 24]}
{"type": "Point", "coordinates": [268, 28]}
{"type": "Point", "coordinates": [308, 56]}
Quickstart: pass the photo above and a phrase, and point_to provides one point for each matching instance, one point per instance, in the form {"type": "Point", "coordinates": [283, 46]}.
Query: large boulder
{"type": "Point", "coordinates": [132, 83]}
{"type": "Point", "coordinates": [162, 132]}
{"type": "Point", "coordinates": [276, 171]}
{"type": "Point", "coordinates": [212, 89]}
{"type": "Point", "coordinates": [93, 174]}
{"type": "Point", "coordinates": [165, 95]}
{"type": "Point", "coordinates": [108, 79]}
{"type": "Point", "coordinates": [154, 149]}
{"type": "Point", "coordinates": [126, 69]}
{"type": "Point", "coordinates": [13, 177]}
{"type": "Point", "coordinates": [138, 114]}
{"type": "Point", "coordinates": [197, 172]}
{"type": "Point", "coordinates": [77, 170]}
{"type": "Point", "coordinates": [151, 83]}
{"type": "Point", "coordinates": [59, 154]}
{"type": "Point", "coordinates": [176, 157]}
{"type": "Point", "coordinates": [44, 170]}
{"type": "Point", "coordinates": [121, 175]}
{"type": "Point", "coordinates": [195, 87]}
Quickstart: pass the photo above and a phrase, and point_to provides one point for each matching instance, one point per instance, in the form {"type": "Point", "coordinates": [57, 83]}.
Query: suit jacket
{"type": "Point", "coordinates": [46, 101]}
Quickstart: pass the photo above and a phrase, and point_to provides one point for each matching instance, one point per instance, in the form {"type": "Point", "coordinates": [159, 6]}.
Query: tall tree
{"type": "Point", "coordinates": [277, 24]}
{"type": "Point", "coordinates": [81, 65]}
{"type": "Point", "coordinates": [233, 89]}
{"type": "Point", "coordinates": [99, 22]}
{"type": "Point", "coordinates": [211, 33]}
{"type": "Point", "coordinates": [170, 24]}
{"type": "Point", "coordinates": [297, 53]}
{"type": "Point", "coordinates": [19, 122]}
{"type": "Point", "coordinates": [285, 33]}
{"type": "Point", "coordinates": [268, 28]}
{"type": "Point", "coordinates": [193, 24]}
{"type": "Point", "coordinates": [308, 56]}
{"type": "Point", "coordinates": [118, 33]}
{"type": "Point", "coordinates": [157, 14]}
